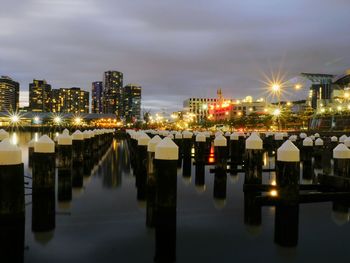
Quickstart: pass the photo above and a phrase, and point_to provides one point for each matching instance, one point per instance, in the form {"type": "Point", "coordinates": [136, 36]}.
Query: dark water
{"type": "Point", "coordinates": [105, 223]}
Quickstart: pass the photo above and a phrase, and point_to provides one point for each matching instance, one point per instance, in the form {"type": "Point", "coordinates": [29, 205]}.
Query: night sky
{"type": "Point", "coordinates": [173, 49]}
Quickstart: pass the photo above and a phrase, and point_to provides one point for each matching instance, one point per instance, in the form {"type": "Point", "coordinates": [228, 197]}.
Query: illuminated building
{"type": "Point", "coordinates": [113, 93]}
{"type": "Point", "coordinates": [40, 96]}
{"type": "Point", "coordinates": [132, 103]}
{"type": "Point", "coordinates": [96, 97]}
{"type": "Point", "coordinates": [70, 100]}
{"type": "Point", "coordinates": [9, 94]}
{"type": "Point", "coordinates": [199, 107]}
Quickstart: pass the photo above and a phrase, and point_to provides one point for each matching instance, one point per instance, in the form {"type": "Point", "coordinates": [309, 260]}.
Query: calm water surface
{"type": "Point", "coordinates": [104, 222]}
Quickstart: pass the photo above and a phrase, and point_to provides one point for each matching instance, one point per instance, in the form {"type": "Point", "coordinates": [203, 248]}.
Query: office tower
{"type": "Point", "coordinates": [113, 93]}
{"type": "Point", "coordinates": [71, 100]}
{"type": "Point", "coordinates": [9, 94]}
{"type": "Point", "coordinates": [132, 103]}
{"type": "Point", "coordinates": [96, 97]}
{"type": "Point", "coordinates": [40, 96]}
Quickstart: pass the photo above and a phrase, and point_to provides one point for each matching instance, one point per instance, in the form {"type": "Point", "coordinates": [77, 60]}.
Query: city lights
{"type": "Point", "coordinates": [57, 120]}
{"type": "Point", "coordinates": [276, 112]}
{"type": "Point", "coordinates": [14, 119]}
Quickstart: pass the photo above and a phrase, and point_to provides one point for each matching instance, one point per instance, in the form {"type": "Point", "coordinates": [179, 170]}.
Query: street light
{"type": "Point", "coordinates": [57, 120]}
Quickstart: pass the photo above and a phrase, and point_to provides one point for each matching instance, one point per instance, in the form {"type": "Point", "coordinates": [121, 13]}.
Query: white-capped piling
{"type": "Point", "coordinates": [30, 152]}
{"type": "Point", "coordinates": [11, 183]}
{"type": "Point", "coordinates": [235, 154]}
{"type": "Point", "coordinates": [200, 146]}
{"type": "Point", "coordinates": [318, 153]}
{"type": "Point", "coordinates": [43, 171]}
{"type": "Point", "coordinates": [88, 164]}
{"type": "Point", "coordinates": [64, 167]}
{"type": "Point", "coordinates": [306, 153]}
{"type": "Point", "coordinates": [287, 171]}
{"type": "Point", "coordinates": [166, 156]}
{"type": "Point", "coordinates": [4, 134]}
{"type": "Point", "coordinates": [341, 156]}
{"type": "Point", "coordinates": [253, 159]}
{"type": "Point", "coordinates": [141, 158]}
{"type": "Point", "coordinates": [178, 142]}
{"type": "Point", "coordinates": [43, 185]}
{"type": "Point", "coordinates": [151, 182]}
{"type": "Point", "coordinates": [94, 145]}
{"type": "Point", "coordinates": [187, 143]}
{"type": "Point", "coordinates": [77, 159]}
{"type": "Point", "coordinates": [220, 176]}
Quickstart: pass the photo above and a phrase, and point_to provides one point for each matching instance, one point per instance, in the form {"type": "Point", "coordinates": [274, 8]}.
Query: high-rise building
{"type": "Point", "coordinates": [96, 97]}
{"type": "Point", "coordinates": [132, 102]}
{"type": "Point", "coordinates": [113, 93]}
{"type": "Point", "coordinates": [72, 100]}
{"type": "Point", "coordinates": [40, 96]}
{"type": "Point", "coordinates": [9, 94]}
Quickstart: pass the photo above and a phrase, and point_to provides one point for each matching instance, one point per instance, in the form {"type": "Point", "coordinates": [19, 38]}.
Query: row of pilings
{"type": "Point", "coordinates": [73, 156]}
{"type": "Point", "coordinates": [233, 153]}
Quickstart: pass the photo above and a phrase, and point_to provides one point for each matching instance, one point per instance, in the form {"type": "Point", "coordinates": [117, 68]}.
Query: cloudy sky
{"type": "Point", "coordinates": [174, 49]}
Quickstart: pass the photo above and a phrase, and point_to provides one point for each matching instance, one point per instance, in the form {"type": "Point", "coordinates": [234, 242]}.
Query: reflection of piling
{"type": "Point", "coordinates": [252, 209]}
{"type": "Point", "coordinates": [200, 160]}
{"type": "Point", "coordinates": [306, 153]}
{"type": "Point", "coordinates": [12, 241]}
{"type": "Point", "coordinates": [186, 148]}
{"type": "Point", "coordinates": [220, 178]}
{"type": "Point", "coordinates": [77, 159]}
{"type": "Point", "coordinates": [166, 156]}
{"type": "Point", "coordinates": [43, 211]}
{"type": "Point", "coordinates": [151, 182]}
{"type": "Point", "coordinates": [253, 159]}
{"type": "Point", "coordinates": [287, 181]}
{"type": "Point", "coordinates": [64, 161]}
{"type": "Point", "coordinates": [141, 175]}
{"type": "Point", "coordinates": [341, 155]}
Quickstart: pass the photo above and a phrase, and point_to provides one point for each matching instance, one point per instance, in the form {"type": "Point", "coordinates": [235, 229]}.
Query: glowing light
{"type": "Point", "coordinates": [297, 86]}
{"type": "Point", "coordinates": [226, 113]}
{"type": "Point", "coordinates": [277, 112]}
{"type": "Point", "coordinates": [14, 119]}
{"type": "Point", "coordinates": [205, 106]}
{"type": "Point", "coordinates": [273, 182]}
{"type": "Point", "coordinates": [289, 103]}
{"type": "Point", "coordinates": [273, 193]}
{"type": "Point", "coordinates": [57, 119]}
{"type": "Point", "coordinates": [36, 120]}
{"type": "Point", "coordinates": [346, 95]}
{"type": "Point", "coordinates": [77, 120]}
{"type": "Point", "coordinates": [276, 87]}
{"type": "Point", "coordinates": [339, 108]}
{"type": "Point", "coordinates": [323, 110]}
{"type": "Point", "coordinates": [14, 139]}
{"type": "Point", "coordinates": [239, 113]}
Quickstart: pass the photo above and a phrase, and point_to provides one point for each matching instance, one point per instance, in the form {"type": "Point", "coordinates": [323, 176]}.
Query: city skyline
{"type": "Point", "coordinates": [174, 50]}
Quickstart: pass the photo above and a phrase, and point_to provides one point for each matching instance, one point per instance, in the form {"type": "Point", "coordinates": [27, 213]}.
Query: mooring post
{"type": "Point", "coordinates": [200, 160]}
{"type": "Point", "coordinates": [220, 178]}
{"type": "Point", "coordinates": [166, 156]}
{"type": "Point", "coordinates": [141, 175]}
{"type": "Point", "coordinates": [341, 154]}
{"type": "Point", "coordinates": [253, 159]}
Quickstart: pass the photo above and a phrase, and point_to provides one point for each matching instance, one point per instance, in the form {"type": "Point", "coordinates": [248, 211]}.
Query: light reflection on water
{"type": "Point", "coordinates": [105, 222]}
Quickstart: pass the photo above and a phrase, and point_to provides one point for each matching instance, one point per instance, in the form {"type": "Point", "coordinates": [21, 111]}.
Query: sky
{"type": "Point", "coordinates": [173, 49]}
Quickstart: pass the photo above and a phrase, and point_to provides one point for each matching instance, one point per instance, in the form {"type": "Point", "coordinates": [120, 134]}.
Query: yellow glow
{"type": "Point", "coordinates": [77, 120]}
{"type": "Point", "coordinates": [273, 182]}
{"type": "Point", "coordinates": [289, 103]}
{"type": "Point", "coordinates": [273, 193]}
{"type": "Point", "coordinates": [346, 95]}
{"type": "Point", "coordinates": [226, 113]}
{"type": "Point", "coordinates": [323, 110]}
{"type": "Point", "coordinates": [14, 139]}
{"type": "Point", "coordinates": [297, 86]}
{"type": "Point", "coordinates": [339, 108]}
{"type": "Point", "coordinates": [205, 106]}
{"type": "Point", "coordinates": [239, 113]}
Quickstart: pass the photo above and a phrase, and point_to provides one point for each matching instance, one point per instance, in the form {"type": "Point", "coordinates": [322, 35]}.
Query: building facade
{"type": "Point", "coordinates": [132, 103]}
{"type": "Point", "coordinates": [199, 107]}
{"type": "Point", "coordinates": [70, 100]}
{"type": "Point", "coordinates": [96, 97]}
{"type": "Point", "coordinates": [113, 93]}
{"type": "Point", "coordinates": [9, 94]}
{"type": "Point", "coordinates": [40, 96]}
